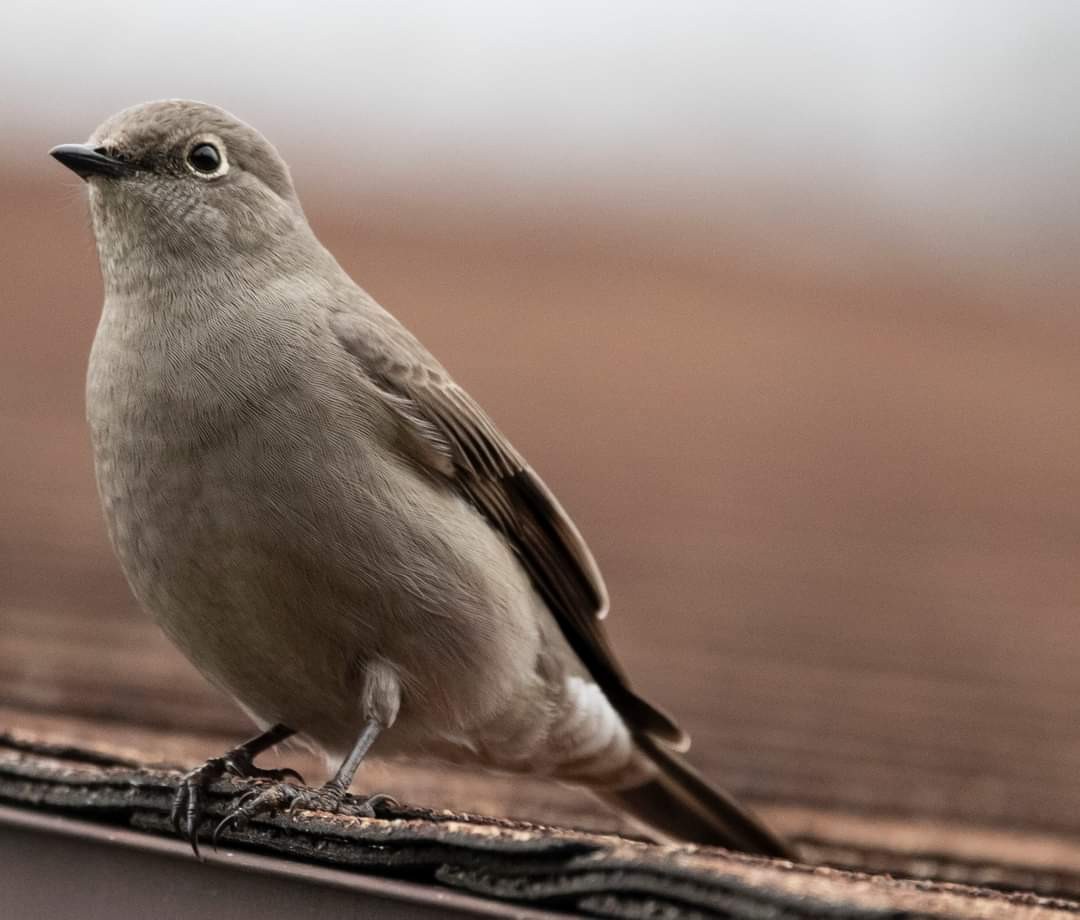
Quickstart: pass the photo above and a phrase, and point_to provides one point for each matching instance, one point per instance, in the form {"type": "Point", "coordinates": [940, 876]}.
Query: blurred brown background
{"type": "Point", "coordinates": [783, 306]}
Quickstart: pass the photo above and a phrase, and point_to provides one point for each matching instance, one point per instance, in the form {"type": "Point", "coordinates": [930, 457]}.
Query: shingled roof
{"type": "Point", "coordinates": [419, 858]}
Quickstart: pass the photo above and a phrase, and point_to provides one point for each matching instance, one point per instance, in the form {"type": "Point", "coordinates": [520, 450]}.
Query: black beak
{"type": "Point", "coordinates": [86, 161]}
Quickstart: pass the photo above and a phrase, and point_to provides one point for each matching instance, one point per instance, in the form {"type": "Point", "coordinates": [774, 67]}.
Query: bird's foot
{"type": "Point", "coordinates": [285, 798]}
{"type": "Point", "coordinates": [189, 804]}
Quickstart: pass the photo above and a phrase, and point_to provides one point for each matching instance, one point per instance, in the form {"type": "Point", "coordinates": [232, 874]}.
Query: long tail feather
{"type": "Point", "coordinates": [681, 805]}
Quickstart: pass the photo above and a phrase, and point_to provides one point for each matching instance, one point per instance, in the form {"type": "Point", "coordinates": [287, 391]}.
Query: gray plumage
{"type": "Point", "coordinates": [318, 516]}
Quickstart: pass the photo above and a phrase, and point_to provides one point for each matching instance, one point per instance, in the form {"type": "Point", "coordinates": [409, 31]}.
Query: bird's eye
{"type": "Point", "coordinates": [204, 158]}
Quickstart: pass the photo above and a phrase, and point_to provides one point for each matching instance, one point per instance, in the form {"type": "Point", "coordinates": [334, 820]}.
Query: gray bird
{"type": "Point", "coordinates": [323, 522]}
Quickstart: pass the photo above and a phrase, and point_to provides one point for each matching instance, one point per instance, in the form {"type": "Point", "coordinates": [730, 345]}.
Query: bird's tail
{"type": "Point", "coordinates": [679, 804]}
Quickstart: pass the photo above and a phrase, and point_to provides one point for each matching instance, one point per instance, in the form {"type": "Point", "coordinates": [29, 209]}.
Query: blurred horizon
{"type": "Point", "coordinates": [831, 133]}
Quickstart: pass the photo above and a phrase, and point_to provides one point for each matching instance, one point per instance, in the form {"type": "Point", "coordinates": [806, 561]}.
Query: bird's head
{"type": "Point", "coordinates": [182, 181]}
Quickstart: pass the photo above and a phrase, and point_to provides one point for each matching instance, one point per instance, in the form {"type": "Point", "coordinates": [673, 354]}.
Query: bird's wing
{"type": "Point", "coordinates": [462, 444]}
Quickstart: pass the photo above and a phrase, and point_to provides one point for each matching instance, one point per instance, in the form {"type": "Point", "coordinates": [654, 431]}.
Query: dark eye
{"type": "Point", "coordinates": [204, 158]}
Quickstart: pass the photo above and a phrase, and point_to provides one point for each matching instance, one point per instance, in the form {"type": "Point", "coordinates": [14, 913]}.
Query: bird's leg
{"type": "Point", "coordinates": [381, 700]}
{"type": "Point", "coordinates": [189, 804]}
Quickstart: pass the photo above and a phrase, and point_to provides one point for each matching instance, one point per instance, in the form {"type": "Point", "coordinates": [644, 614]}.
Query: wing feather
{"type": "Point", "coordinates": [487, 469]}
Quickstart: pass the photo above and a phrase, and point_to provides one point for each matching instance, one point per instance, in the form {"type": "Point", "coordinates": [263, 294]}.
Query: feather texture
{"type": "Point", "coordinates": [487, 469]}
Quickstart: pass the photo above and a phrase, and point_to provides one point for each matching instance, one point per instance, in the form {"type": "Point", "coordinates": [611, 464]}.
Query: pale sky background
{"type": "Point", "coordinates": [954, 125]}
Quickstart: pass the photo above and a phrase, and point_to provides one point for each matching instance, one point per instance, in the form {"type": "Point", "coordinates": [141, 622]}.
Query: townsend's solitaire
{"type": "Point", "coordinates": [327, 525]}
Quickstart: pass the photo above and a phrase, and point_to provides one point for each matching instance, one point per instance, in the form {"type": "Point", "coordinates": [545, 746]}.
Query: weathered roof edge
{"type": "Point", "coordinates": [513, 864]}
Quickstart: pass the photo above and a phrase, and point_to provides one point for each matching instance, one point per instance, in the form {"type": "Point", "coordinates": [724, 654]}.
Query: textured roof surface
{"type": "Point", "coordinates": [509, 862]}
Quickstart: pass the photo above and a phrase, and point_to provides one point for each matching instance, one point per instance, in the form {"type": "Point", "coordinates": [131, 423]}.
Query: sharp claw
{"type": "Point", "coordinates": [222, 825]}
{"type": "Point", "coordinates": [193, 839]}
{"type": "Point", "coordinates": [240, 815]}
{"type": "Point", "coordinates": [191, 831]}
{"type": "Point", "coordinates": [189, 802]}
{"type": "Point", "coordinates": [245, 798]}
{"type": "Point", "coordinates": [366, 807]}
{"type": "Point", "coordinates": [174, 813]}
{"type": "Point", "coordinates": [183, 816]}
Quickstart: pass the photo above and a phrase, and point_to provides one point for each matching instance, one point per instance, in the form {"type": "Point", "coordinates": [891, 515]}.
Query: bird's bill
{"type": "Point", "coordinates": [86, 161]}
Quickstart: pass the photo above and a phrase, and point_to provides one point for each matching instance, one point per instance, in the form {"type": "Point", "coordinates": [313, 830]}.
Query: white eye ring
{"type": "Point", "coordinates": [200, 161]}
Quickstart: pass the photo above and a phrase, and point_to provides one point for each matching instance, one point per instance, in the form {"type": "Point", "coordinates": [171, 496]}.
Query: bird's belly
{"type": "Point", "coordinates": [280, 586]}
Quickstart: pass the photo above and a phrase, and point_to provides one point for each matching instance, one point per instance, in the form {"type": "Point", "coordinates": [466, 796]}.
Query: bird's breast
{"type": "Point", "coordinates": [206, 469]}
{"type": "Point", "coordinates": [281, 542]}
